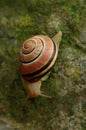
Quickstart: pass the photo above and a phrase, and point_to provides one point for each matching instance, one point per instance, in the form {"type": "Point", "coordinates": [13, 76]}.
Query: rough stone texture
{"type": "Point", "coordinates": [67, 81]}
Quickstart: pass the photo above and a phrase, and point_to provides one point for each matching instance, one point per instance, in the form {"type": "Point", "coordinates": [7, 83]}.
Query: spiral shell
{"type": "Point", "coordinates": [37, 57]}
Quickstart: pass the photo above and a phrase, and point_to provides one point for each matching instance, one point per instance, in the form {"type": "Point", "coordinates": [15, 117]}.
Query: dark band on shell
{"type": "Point", "coordinates": [42, 62]}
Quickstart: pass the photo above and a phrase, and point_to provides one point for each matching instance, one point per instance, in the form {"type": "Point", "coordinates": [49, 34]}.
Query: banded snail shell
{"type": "Point", "coordinates": [37, 57]}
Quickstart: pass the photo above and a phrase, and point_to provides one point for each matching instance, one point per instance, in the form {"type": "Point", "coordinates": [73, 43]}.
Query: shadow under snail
{"type": "Point", "coordinates": [37, 57]}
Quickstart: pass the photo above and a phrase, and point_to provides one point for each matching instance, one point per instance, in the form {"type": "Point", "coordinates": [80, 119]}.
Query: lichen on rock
{"type": "Point", "coordinates": [67, 80]}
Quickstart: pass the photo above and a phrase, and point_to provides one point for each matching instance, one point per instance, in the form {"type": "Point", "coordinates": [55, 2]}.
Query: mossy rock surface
{"type": "Point", "coordinates": [67, 80]}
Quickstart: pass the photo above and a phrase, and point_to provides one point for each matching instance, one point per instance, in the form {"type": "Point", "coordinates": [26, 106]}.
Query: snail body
{"type": "Point", "coordinates": [37, 57]}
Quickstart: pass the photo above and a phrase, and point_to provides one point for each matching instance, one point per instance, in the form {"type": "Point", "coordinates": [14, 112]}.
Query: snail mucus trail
{"type": "Point", "coordinates": [37, 56]}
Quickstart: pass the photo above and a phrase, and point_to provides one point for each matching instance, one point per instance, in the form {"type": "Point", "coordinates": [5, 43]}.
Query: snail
{"type": "Point", "coordinates": [37, 57]}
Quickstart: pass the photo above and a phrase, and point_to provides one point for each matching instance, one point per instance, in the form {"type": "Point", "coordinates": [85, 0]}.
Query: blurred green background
{"type": "Point", "coordinates": [21, 19]}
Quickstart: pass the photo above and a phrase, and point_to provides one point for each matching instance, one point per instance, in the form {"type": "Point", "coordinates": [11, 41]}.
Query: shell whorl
{"type": "Point", "coordinates": [37, 57]}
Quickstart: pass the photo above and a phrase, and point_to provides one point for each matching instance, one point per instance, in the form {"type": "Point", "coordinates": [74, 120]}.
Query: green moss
{"type": "Point", "coordinates": [73, 72]}
{"type": "Point", "coordinates": [20, 20]}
